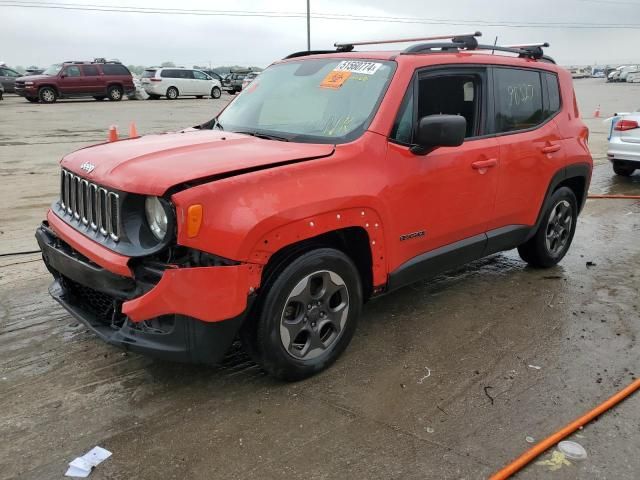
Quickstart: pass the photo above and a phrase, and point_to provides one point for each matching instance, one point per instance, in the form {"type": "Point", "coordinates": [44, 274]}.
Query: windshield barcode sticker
{"type": "Point", "coordinates": [357, 66]}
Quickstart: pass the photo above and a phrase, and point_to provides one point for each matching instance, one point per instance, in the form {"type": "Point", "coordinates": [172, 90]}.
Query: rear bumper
{"type": "Point", "coordinates": [147, 317]}
{"type": "Point", "coordinates": [623, 151]}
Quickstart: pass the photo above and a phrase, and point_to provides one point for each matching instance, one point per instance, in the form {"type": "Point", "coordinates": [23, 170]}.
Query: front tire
{"type": "Point", "coordinates": [172, 93]}
{"type": "Point", "coordinates": [114, 93]}
{"type": "Point", "coordinates": [306, 315]}
{"type": "Point", "coordinates": [216, 92]}
{"type": "Point", "coordinates": [623, 171]}
{"type": "Point", "coordinates": [47, 95]}
{"type": "Point", "coordinates": [554, 235]}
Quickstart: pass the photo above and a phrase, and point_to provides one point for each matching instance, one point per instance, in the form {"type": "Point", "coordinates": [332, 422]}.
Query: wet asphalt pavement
{"type": "Point", "coordinates": [444, 379]}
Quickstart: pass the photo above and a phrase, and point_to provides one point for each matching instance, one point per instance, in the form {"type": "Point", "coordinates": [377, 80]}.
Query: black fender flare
{"type": "Point", "coordinates": [575, 170]}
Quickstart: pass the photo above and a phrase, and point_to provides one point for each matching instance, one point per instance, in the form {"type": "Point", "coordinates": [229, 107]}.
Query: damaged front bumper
{"type": "Point", "coordinates": [188, 314]}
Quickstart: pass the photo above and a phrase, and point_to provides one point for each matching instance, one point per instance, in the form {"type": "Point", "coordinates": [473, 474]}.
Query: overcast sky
{"type": "Point", "coordinates": [43, 36]}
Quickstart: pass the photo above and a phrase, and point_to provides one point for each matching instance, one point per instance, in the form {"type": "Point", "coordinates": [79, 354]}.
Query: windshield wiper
{"type": "Point", "coordinates": [266, 136]}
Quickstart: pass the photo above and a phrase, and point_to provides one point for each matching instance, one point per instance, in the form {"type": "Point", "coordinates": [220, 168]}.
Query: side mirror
{"type": "Point", "coordinates": [439, 131]}
{"type": "Point", "coordinates": [64, 75]}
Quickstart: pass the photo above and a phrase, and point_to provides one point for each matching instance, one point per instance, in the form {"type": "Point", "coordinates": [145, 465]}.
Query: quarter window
{"type": "Point", "coordinates": [518, 99]}
{"type": "Point", "coordinates": [553, 94]}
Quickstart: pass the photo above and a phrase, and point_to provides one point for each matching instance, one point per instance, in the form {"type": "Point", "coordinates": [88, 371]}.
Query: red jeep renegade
{"type": "Point", "coordinates": [335, 177]}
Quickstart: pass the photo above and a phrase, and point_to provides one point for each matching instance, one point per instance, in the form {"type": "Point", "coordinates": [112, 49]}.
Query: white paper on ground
{"type": "Point", "coordinates": [81, 466]}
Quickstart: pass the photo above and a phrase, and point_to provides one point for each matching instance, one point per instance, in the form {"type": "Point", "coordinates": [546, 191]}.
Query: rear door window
{"type": "Point", "coordinates": [186, 74]}
{"type": "Point", "coordinates": [518, 99]}
{"type": "Point", "coordinates": [90, 70]}
{"type": "Point", "coordinates": [115, 69]}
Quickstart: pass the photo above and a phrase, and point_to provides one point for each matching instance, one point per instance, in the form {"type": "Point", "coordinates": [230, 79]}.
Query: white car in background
{"type": "Point", "coordinates": [633, 77]}
{"type": "Point", "coordinates": [249, 78]}
{"type": "Point", "coordinates": [174, 82]}
{"type": "Point", "coordinates": [624, 143]}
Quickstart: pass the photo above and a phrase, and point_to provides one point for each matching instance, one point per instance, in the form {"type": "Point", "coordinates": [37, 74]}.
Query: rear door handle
{"type": "Point", "coordinates": [551, 148]}
{"type": "Point", "coordinates": [480, 164]}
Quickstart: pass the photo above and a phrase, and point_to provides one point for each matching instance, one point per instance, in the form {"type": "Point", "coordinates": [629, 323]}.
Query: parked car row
{"type": "Point", "coordinates": [111, 80]}
{"type": "Point", "coordinates": [625, 73]}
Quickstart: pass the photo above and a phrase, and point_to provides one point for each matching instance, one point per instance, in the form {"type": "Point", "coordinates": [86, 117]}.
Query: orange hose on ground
{"type": "Point", "coordinates": [550, 441]}
{"type": "Point", "coordinates": [622, 197]}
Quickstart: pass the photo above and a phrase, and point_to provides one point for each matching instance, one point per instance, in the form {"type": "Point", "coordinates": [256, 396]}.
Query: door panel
{"type": "Point", "coordinates": [441, 194]}
{"type": "Point", "coordinates": [531, 147]}
{"type": "Point", "coordinates": [71, 81]}
{"type": "Point", "coordinates": [93, 80]}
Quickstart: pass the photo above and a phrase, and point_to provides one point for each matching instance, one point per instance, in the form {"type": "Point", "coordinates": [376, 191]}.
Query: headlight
{"type": "Point", "coordinates": [28, 83]}
{"type": "Point", "coordinates": [156, 217]}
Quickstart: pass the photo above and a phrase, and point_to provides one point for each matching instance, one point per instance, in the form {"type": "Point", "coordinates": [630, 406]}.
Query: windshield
{"type": "Point", "coordinates": [53, 69]}
{"type": "Point", "coordinates": [319, 100]}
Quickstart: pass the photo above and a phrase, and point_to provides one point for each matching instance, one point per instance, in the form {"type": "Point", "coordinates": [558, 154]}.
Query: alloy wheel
{"type": "Point", "coordinates": [559, 227]}
{"type": "Point", "coordinates": [314, 315]}
{"type": "Point", "coordinates": [48, 95]}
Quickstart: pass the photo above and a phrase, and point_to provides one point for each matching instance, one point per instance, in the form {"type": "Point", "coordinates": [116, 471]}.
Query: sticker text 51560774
{"type": "Point", "coordinates": [358, 66]}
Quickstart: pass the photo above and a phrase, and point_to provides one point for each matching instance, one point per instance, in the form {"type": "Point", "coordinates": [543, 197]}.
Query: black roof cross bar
{"type": "Point", "coordinates": [348, 46]}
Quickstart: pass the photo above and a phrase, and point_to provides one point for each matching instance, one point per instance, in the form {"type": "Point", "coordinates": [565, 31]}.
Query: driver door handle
{"type": "Point", "coordinates": [480, 164]}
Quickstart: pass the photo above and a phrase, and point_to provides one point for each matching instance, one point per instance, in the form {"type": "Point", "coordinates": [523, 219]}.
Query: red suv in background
{"type": "Point", "coordinates": [278, 218]}
{"type": "Point", "coordinates": [99, 80]}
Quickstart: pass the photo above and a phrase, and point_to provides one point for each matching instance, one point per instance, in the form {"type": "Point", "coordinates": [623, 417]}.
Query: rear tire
{"type": "Point", "coordinates": [216, 92]}
{"type": "Point", "coordinates": [172, 93]}
{"type": "Point", "coordinates": [114, 93]}
{"type": "Point", "coordinates": [306, 314]}
{"type": "Point", "coordinates": [154, 97]}
{"type": "Point", "coordinates": [554, 235]}
{"type": "Point", "coordinates": [623, 171]}
{"type": "Point", "coordinates": [99, 98]}
{"type": "Point", "coordinates": [47, 95]}
{"type": "Point", "coordinates": [32, 99]}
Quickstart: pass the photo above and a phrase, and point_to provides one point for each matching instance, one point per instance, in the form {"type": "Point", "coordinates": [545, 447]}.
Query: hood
{"type": "Point", "coordinates": [154, 163]}
{"type": "Point", "coordinates": [35, 78]}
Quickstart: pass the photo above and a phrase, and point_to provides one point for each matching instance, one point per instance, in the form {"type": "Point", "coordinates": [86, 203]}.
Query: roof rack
{"type": "Point", "coordinates": [457, 43]}
{"type": "Point", "coordinates": [347, 47]}
{"type": "Point", "coordinates": [462, 43]}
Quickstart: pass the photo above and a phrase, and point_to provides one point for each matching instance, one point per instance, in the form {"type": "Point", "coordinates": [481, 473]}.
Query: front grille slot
{"type": "Point", "coordinates": [90, 204]}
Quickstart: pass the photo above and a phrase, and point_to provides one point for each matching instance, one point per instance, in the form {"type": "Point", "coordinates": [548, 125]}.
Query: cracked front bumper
{"type": "Point", "coordinates": [189, 315]}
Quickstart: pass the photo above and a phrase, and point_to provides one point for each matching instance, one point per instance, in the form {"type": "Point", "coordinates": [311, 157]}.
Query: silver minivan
{"type": "Point", "coordinates": [173, 82]}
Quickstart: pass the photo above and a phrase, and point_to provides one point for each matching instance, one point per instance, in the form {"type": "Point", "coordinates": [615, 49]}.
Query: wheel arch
{"type": "Point", "coordinates": [50, 85]}
{"type": "Point", "coordinates": [577, 177]}
{"type": "Point", "coordinates": [356, 232]}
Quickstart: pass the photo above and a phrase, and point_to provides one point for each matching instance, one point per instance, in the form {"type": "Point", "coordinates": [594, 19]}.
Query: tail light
{"type": "Point", "coordinates": [624, 125]}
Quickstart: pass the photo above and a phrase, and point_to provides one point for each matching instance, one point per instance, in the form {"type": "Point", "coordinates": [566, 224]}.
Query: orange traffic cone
{"type": "Point", "coordinates": [113, 133]}
{"type": "Point", "coordinates": [596, 114]}
{"type": "Point", "coordinates": [133, 131]}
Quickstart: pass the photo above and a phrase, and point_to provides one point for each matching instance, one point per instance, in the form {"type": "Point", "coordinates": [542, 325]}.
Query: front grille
{"type": "Point", "coordinates": [19, 84]}
{"type": "Point", "coordinates": [90, 204]}
{"type": "Point", "coordinates": [103, 307]}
